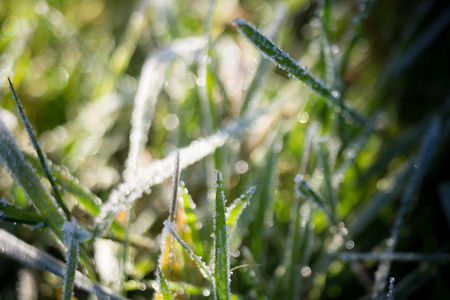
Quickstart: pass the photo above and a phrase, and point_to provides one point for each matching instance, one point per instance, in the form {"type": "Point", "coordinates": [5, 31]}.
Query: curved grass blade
{"type": "Point", "coordinates": [284, 61]}
{"type": "Point", "coordinates": [42, 159]}
{"type": "Point", "coordinates": [237, 207]}
{"type": "Point", "coordinates": [33, 257]}
{"type": "Point", "coordinates": [12, 158]}
{"type": "Point", "coordinates": [221, 247]}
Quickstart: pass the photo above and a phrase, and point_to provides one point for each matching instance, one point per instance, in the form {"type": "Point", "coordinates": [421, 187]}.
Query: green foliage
{"type": "Point", "coordinates": [345, 139]}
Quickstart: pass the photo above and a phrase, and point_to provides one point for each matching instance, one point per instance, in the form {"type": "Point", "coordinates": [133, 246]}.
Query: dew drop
{"type": "Point", "coordinates": [306, 271]}
{"type": "Point", "coordinates": [303, 117]}
{"type": "Point", "coordinates": [350, 245]}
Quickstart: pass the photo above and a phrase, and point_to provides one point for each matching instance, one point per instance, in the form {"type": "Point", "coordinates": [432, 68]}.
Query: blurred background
{"type": "Point", "coordinates": [76, 67]}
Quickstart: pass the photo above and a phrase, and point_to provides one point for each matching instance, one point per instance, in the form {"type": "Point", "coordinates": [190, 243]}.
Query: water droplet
{"type": "Point", "coordinates": [350, 245]}
{"type": "Point", "coordinates": [303, 117]}
{"type": "Point", "coordinates": [306, 271]}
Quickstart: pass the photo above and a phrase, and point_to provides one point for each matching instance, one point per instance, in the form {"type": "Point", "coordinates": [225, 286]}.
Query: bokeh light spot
{"type": "Point", "coordinates": [10, 26]}
{"type": "Point", "coordinates": [306, 271]}
{"type": "Point", "coordinates": [303, 117]}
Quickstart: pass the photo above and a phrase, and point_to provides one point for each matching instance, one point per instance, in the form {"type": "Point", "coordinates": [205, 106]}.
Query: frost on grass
{"type": "Point", "coordinates": [72, 236]}
{"type": "Point", "coordinates": [237, 207]}
{"type": "Point", "coordinates": [39, 152]}
{"type": "Point", "coordinates": [272, 52]}
{"type": "Point", "coordinates": [202, 267]}
{"type": "Point", "coordinates": [391, 291]}
{"type": "Point", "coordinates": [163, 287]}
{"type": "Point", "coordinates": [191, 218]}
{"type": "Point", "coordinates": [33, 257]}
{"type": "Point", "coordinates": [221, 246]}
{"type": "Point", "coordinates": [150, 85]}
{"type": "Point", "coordinates": [155, 173]}
{"type": "Point", "coordinates": [25, 175]}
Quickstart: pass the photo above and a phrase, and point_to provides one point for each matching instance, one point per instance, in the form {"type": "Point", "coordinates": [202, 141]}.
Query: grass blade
{"type": "Point", "coordinates": [150, 85]}
{"type": "Point", "coordinates": [12, 213]}
{"type": "Point", "coordinates": [164, 291]}
{"type": "Point", "coordinates": [191, 218]}
{"type": "Point", "coordinates": [36, 147]}
{"type": "Point", "coordinates": [323, 154]}
{"type": "Point", "coordinates": [221, 247]}
{"type": "Point", "coordinates": [12, 158]}
{"type": "Point", "coordinates": [237, 207]}
{"type": "Point", "coordinates": [284, 61]}
{"type": "Point", "coordinates": [421, 162]}
{"type": "Point", "coordinates": [33, 257]}
{"type": "Point", "coordinates": [202, 267]}
{"type": "Point", "coordinates": [72, 236]}
{"type": "Point", "coordinates": [202, 73]}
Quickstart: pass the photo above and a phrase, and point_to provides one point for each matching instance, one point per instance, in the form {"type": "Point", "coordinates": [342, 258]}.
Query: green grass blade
{"type": "Point", "coordinates": [221, 247]}
{"type": "Point", "coordinates": [303, 190]}
{"type": "Point", "coordinates": [12, 158]}
{"type": "Point", "coordinates": [237, 207]}
{"type": "Point", "coordinates": [202, 73]}
{"type": "Point", "coordinates": [284, 61]}
{"type": "Point", "coordinates": [12, 213]}
{"type": "Point", "coordinates": [365, 7]}
{"type": "Point", "coordinates": [191, 219]}
{"type": "Point", "coordinates": [265, 203]}
{"type": "Point", "coordinates": [39, 152]}
{"type": "Point", "coordinates": [323, 154]}
{"type": "Point", "coordinates": [164, 291]}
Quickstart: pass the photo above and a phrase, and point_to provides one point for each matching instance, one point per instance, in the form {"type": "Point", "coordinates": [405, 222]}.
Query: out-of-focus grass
{"type": "Point", "coordinates": [112, 89]}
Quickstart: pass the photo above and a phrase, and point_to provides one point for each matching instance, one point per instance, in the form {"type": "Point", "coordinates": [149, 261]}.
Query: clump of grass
{"type": "Point", "coordinates": [336, 167]}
